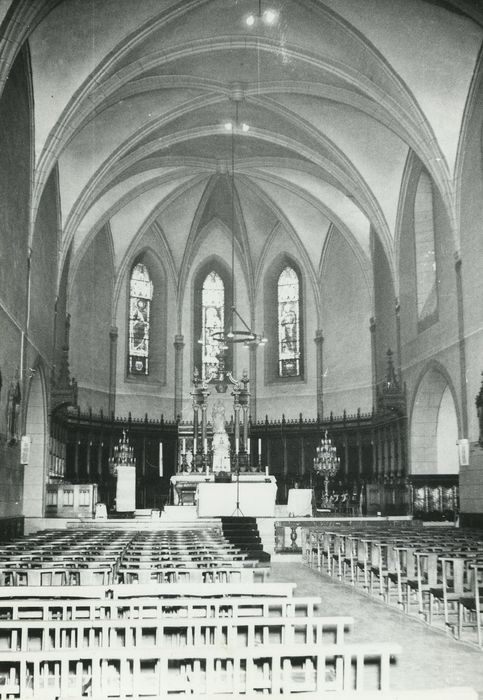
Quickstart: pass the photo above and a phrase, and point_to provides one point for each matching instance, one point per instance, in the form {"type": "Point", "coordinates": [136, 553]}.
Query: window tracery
{"type": "Point", "coordinates": [140, 297]}
{"type": "Point", "coordinates": [213, 320]}
{"type": "Point", "coordinates": [288, 298]}
{"type": "Point", "coordinates": [426, 279]}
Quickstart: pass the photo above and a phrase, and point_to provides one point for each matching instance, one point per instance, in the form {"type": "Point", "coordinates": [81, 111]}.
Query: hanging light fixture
{"type": "Point", "coordinates": [268, 16]}
{"type": "Point", "coordinates": [236, 329]}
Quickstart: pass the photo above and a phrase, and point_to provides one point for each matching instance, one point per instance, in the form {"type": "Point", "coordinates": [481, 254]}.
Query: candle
{"type": "Point", "coordinates": [266, 470]}
{"type": "Point", "coordinates": [205, 446]}
{"type": "Point", "coordinates": [236, 445]}
{"type": "Point", "coordinates": [260, 446]}
{"type": "Point", "coordinates": [248, 445]}
{"type": "Point", "coordinates": [160, 459]}
{"type": "Point", "coordinates": [184, 446]}
{"type": "Point", "coordinates": [194, 445]}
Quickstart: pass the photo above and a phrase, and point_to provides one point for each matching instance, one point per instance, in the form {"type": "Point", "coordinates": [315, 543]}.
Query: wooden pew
{"type": "Point", "coordinates": [136, 672]}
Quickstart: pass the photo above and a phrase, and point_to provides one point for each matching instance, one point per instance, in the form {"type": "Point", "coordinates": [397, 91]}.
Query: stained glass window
{"type": "Point", "coordinates": [288, 297]}
{"type": "Point", "coordinates": [213, 319]}
{"type": "Point", "coordinates": [140, 296]}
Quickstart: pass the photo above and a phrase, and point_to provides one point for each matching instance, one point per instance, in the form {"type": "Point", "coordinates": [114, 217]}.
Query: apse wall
{"type": "Point", "coordinates": [15, 179]}
{"type": "Point", "coordinates": [346, 312]}
{"type": "Point", "coordinates": [90, 307]}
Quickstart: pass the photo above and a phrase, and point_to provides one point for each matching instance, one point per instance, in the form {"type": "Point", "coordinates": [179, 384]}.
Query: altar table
{"type": "Point", "coordinates": [256, 498]}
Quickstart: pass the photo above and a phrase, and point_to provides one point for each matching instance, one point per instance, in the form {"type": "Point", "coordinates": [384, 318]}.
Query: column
{"type": "Point", "coordinates": [461, 346]}
{"type": "Point", "coordinates": [372, 328]}
{"type": "Point", "coordinates": [398, 362]}
{"type": "Point", "coordinates": [113, 335]}
{"type": "Point", "coordinates": [178, 374]}
{"type": "Point", "coordinates": [253, 381]}
{"type": "Point", "coordinates": [319, 364]}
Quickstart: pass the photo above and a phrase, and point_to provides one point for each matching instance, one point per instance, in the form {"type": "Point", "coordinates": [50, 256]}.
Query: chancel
{"type": "Point", "coordinates": [241, 349]}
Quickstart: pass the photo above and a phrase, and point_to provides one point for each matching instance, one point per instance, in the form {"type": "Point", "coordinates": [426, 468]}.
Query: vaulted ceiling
{"type": "Point", "coordinates": [132, 99]}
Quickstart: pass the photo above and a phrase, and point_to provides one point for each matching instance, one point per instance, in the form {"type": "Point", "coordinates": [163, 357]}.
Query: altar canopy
{"type": "Point", "coordinates": [256, 498]}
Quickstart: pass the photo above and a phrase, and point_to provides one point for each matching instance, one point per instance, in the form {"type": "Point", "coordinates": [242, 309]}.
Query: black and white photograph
{"type": "Point", "coordinates": [241, 349]}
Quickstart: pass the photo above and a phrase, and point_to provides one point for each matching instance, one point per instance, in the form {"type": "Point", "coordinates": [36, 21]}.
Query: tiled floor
{"type": "Point", "coordinates": [429, 659]}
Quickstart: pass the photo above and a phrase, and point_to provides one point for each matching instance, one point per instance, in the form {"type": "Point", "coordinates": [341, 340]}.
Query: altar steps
{"type": "Point", "coordinates": [243, 533]}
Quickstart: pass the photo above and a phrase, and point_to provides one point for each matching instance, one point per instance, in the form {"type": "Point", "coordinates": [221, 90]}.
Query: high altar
{"type": "Point", "coordinates": [221, 477]}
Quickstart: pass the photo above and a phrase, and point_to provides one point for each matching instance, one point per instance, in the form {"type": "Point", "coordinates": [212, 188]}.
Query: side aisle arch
{"type": "Point", "coordinates": [434, 424]}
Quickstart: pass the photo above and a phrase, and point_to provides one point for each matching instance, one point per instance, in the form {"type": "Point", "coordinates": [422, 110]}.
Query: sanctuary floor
{"type": "Point", "coordinates": [429, 658]}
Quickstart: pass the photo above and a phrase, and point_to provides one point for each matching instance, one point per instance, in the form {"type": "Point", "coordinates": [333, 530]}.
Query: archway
{"type": "Point", "coordinates": [434, 427]}
{"type": "Point", "coordinates": [35, 429]}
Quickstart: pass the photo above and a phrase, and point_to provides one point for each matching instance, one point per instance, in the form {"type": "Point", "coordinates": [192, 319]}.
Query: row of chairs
{"type": "Point", "coordinates": [434, 573]}
{"type": "Point", "coordinates": [234, 640]}
{"type": "Point", "coordinates": [139, 640]}
{"type": "Point", "coordinates": [100, 557]}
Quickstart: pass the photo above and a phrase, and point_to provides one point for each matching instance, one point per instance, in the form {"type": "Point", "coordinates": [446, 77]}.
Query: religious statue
{"type": "Point", "coordinates": [221, 441]}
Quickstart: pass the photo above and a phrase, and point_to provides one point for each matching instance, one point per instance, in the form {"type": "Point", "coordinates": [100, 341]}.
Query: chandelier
{"type": "Point", "coordinates": [326, 462]}
{"type": "Point", "coordinates": [236, 329]}
{"type": "Point", "coordinates": [123, 455]}
{"type": "Point", "coordinates": [268, 17]}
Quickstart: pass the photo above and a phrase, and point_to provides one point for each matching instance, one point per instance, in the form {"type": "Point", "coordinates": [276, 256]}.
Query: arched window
{"type": "Point", "coordinates": [288, 304]}
{"type": "Point", "coordinates": [427, 298]}
{"type": "Point", "coordinates": [140, 296]}
{"type": "Point", "coordinates": [212, 321]}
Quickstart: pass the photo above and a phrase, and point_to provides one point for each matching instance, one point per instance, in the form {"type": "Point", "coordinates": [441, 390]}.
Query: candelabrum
{"type": "Point", "coordinates": [123, 455]}
{"type": "Point", "coordinates": [326, 463]}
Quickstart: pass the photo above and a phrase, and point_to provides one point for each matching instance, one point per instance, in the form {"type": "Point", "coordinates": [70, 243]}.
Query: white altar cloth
{"type": "Point", "coordinates": [257, 498]}
{"type": "Point", "coordinates": [299, 502]}
{"type": "Point", "coordinates": [126, 489]}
